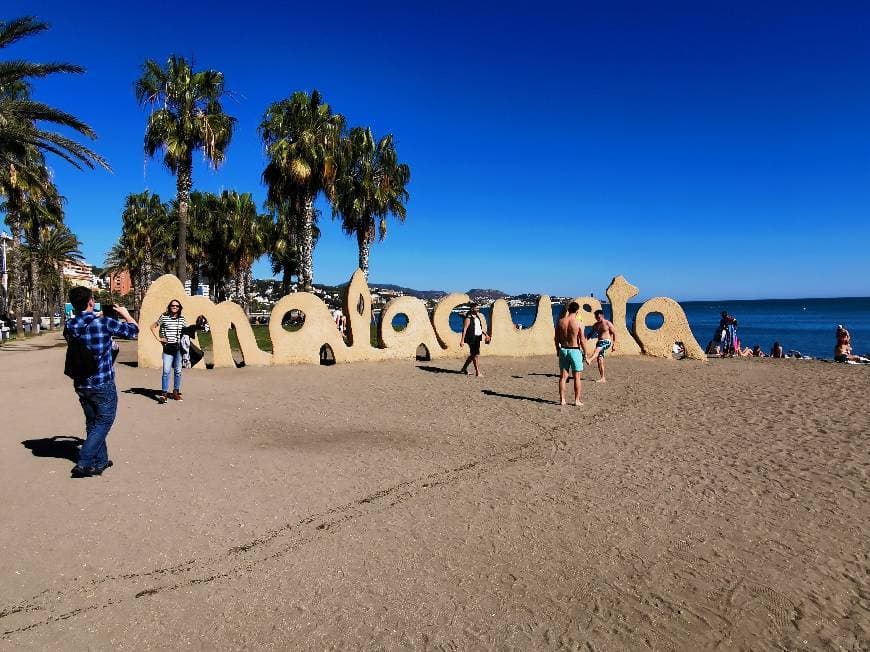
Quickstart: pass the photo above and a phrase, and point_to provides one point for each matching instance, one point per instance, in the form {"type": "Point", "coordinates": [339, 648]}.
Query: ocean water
{"type": "Point", "coordinates": [805, 325]}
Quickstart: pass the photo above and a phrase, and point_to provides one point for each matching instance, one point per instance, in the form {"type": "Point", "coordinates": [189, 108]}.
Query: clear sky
{"type": "Point", "coordinates": [703, 150]}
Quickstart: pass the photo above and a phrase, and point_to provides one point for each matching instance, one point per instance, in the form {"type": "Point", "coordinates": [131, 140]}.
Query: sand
{"type": "Point", "coordinates": [395, 505]}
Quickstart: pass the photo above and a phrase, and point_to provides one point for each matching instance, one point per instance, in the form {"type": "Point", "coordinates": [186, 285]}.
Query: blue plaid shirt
{"type": "Point", "coordinates": [97, 336]}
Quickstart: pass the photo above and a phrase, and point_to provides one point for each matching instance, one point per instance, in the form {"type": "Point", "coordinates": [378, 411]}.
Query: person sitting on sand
{"type": "Point", "coordinates": [757, 352]}
{"type": "Point", "coordinates": [713, 348]}
{"type": "Point", "coordinates": [843, 353]}
{"type": "Point", "coordinates": [606, 334]}
{"type": "Point", "coordinates": [776, 351]}
{"type": "Point", "coordinates": [570, 344]}
{"type": "Point", "coordinates": [745, 353]}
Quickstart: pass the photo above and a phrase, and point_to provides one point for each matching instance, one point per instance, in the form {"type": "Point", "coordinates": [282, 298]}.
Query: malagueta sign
{"type": "Point", "coordinates": [304, 345]}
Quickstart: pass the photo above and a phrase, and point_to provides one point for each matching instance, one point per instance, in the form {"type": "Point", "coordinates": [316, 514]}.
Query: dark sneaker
{"type": "Point", "coordinates": [98, 470]}
{"type": "Point", "coordinates": [84, 471]}
{"type": "Point", "coordinates": [161, 398]}
{"type": "Point", "coordinates": [177, 396]}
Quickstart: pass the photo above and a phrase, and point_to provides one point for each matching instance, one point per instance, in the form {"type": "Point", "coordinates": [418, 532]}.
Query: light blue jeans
{"type": "Point", "coordinates": [172, 362]}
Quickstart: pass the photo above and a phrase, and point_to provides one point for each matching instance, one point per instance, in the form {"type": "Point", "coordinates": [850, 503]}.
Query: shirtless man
{"type": "Point", "coordinates": [570, 346]}
{"type": "Point", "coordinates": [606, 334]}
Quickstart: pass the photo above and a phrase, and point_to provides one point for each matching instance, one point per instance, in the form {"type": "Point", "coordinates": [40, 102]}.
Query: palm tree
{"type": "Point", "coordinates": [43, 208]}
{"type": "Point", "coordinates": [284, 244]}
{"type": "Point", "coordinates": [54, 247]}
{"type": "Point", "coordinates": [145, 245]}
{"type": "Point", "coordinates": [301, 134]}
{"type": "Point", "coordinates": [23, 141]}
{"type": "Point", "coordinates": [370, 186]}
{"type": "Point", "coordinates": [24, 191]}
{"type": "Point", "coordinates": [249, 237]}
{"type": "Point", "coordinates": [20, 115]}
{"type": "Point", "coordinates": [146, 223]}
{"type": "Point", "coordinates": [188, 117]}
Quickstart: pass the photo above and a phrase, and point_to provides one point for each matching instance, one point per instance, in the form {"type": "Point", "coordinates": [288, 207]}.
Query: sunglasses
{"type": "Point", "coordinates": [175, 305]}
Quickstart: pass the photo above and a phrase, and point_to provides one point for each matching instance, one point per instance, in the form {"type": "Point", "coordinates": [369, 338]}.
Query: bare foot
{"type": "Point", "coordinates": [479, 375]}
{"type": "Point", "coordinates": [578, 403]}
{"type": "Point", "coordinates": [563, 402]}
{"type": "Point", "coordinates": [601, 380]}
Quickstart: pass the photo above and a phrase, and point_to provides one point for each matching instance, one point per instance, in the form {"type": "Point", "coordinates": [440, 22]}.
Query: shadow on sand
{"type": "Point", "coordinates": [533, 399]}
{"type": "Point", "coordinates": [439, 370]}
{"type": "Point", "coordinates": [153, 394]}
{"type": "Point", "coordinates": [60, 446]}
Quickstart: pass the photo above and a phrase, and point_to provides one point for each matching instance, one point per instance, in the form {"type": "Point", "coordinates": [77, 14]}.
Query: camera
{"type": "Point", "coordinates": [110, 311]}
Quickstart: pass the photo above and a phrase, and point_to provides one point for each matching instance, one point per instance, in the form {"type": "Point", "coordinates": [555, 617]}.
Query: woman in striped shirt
{"type": "Point", "coordinates": [167, 330]}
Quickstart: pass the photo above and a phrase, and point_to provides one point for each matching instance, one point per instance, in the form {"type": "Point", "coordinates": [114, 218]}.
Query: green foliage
{"type": "Point", "coordinates": [370, 185]}
{"type": "Point", "coordinates": [21, 116]}
{"type": "Point", "coordinates": [187, 116]}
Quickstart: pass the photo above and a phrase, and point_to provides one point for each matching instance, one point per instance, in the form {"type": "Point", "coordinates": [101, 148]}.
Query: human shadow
{"type": "Point", "coordinates": [153, 394]}
{"type": "Point", "coordinates": [535, 373]}
{"type": "Point", "coordinates": [63, 447]}
{"type": "Point", "coordinates": [533, 399]}
{"type": "Point", "coordinates": [439, 370]}
{"type": "Point", "coordinates": [129, 363]}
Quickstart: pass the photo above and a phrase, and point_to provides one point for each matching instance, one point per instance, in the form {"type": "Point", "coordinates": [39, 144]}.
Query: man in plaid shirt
{"type": "Point", "coordinates": [97, 393]}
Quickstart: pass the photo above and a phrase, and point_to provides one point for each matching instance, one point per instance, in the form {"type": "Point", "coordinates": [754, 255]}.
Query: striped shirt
{"type": "Point", "coordinates": [171, 327]}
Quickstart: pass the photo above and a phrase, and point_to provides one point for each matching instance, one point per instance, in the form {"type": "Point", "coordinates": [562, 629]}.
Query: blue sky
{"type": "Point", "coordinates": [716, 151]}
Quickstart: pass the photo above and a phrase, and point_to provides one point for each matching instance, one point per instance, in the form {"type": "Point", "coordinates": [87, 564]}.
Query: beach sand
{"type": "Point", "coordinates": [396, 505]}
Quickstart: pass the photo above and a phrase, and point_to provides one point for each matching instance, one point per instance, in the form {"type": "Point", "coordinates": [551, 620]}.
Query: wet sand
{"type": "Point", "coordinates": [399, 505]}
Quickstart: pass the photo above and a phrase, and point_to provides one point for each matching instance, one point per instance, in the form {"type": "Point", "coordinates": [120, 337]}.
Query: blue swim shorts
{"type": "Point", "coordinates": [571, 360]}
{"type": "Point", "coordinates": [603, 345]}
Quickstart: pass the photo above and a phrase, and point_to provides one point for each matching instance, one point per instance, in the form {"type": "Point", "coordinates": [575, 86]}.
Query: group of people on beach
{"type": "Point", "coordinates": [726, 342]}
{"type": "Point", "coordinates": [569, 339]}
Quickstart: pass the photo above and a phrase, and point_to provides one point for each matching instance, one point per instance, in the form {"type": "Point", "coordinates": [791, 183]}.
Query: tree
{"type": "Point", "coordinates": [24, 192]}
{"type": "Point", "coordinates": [20, 115]}
{"type": "Point", "coordinates": [301, 134]}
{"type": "Point", "coordinates": [54, 247]}
{"type": "Point", "coordinates": [145, 246]}
{"type": "Point", "coordinates": [370, 185]}
{"type": "Point", "coordinates": [42, 209]}
{"type": "Point", "coordinates": [284, 244]}
{"type": "Point", "coordinates": [249, 234]}
{"type": "Point", "coordinates": [23, 142]}
{"type": "Point", "coordinates": [188, 117]}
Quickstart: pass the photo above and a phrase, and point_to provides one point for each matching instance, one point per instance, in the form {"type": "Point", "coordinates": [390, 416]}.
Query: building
{"type": "Point", "coordinates": [120, 283]}
{"type": "Point", "coordinates": [79, 273]}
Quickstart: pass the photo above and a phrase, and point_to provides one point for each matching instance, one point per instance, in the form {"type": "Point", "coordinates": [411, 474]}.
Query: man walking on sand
{"type": "Point", "coordinates": [97, 393]}
{"type": "Point", "coordinates": [570, 347]}
{"type": "Point", "coordinates": [606, 334]}
{"type": "Point", "coordinates": [472, 334]}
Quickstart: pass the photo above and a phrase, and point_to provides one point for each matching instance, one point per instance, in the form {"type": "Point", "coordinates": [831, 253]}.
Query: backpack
{"type": "Point", "coordinates": [80, 362]}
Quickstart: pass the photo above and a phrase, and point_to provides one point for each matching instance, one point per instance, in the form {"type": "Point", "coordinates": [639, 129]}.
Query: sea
{"type": "Point", "coordinates": [804, 325]}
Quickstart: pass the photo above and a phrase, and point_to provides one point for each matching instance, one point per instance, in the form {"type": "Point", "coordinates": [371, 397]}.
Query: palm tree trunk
{"type": "Point", "coordinates": [17, 276]}
{"type": "Point", "coordinates": [248, 282]}
{"type": "Point", "coordinates": [364, 243]}
{"type": "Point", "coordinates": [307, 246]}
{"type": "Point", "coordinates": [61, 296]}
{"type": "Point", "coordinates": [240, 285]}
{"type": "Point", "coordinates": [35, 296]}
{"type": "Point", "coordinates": [285, 281]}
{"type": "Point", "coordinates": [183, 183]}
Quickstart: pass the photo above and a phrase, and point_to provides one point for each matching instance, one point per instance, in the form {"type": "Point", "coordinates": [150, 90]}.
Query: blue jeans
{"type": "Point", "coordinates": [99, 405]}
{"type": "Point", "coordinates": [171, 362]}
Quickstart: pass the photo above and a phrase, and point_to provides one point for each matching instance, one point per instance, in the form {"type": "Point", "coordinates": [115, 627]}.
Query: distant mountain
{"type": "Point", "coordinates": [477, 294]}
{"type": "Point", "coordinates": [410, 292]}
